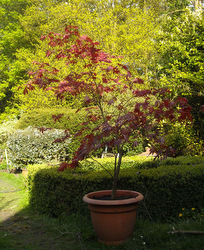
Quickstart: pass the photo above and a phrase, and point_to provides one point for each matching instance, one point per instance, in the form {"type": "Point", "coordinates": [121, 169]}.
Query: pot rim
{"type": "Point", "coordinates": [88, 197]}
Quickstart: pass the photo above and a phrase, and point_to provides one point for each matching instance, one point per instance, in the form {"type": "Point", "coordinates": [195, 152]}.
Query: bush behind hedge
{"type": "Point", "coordinates": [31, 146]}
{"type": "Point", "coordinates": [166, 188]}
{"type": "Point", "coordinates": [43, 118]}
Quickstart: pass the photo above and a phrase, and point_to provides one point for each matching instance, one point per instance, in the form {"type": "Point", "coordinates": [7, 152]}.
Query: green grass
{"type": "Point", "coordinates": [27, 230]}
{"type": "Point", "coordinates": [3, 165]}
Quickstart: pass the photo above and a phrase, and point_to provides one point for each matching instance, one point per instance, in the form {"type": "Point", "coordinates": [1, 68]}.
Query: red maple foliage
{"type": "Point", "coordinates": [117, 104]}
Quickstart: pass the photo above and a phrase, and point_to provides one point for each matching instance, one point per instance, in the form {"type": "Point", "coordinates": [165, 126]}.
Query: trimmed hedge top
{"type": "Point", "coordinates": [167, 187]}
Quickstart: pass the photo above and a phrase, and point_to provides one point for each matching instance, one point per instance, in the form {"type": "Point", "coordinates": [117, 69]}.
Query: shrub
{"type": "Point", "coordinates": [166, 188]}
{"type": "Point", "coordinates": [183, 139]}
{"type": "Point", "coordinates": [129, 150]}
{"type": "Point", "coordinates": [31, 146]}
{"type": "Point", "coordinates": [71, 120]}
{"type": "Point", "coordinates": [43, 118]}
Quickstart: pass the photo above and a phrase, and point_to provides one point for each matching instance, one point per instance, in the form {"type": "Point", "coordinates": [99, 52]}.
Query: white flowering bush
{"type": "Point", "coordinates": [31, 146]}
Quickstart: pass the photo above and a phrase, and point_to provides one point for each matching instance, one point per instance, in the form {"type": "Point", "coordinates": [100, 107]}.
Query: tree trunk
{"type": "Point", "coordinates": [116, 174]}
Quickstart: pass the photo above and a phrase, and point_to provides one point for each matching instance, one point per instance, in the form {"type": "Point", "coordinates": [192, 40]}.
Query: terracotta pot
{"type": "Point", "coordinates": [113, 220]}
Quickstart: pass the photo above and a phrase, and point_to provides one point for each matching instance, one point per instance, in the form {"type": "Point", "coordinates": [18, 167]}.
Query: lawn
{"type": "Point", "coordinates": [21, 228]}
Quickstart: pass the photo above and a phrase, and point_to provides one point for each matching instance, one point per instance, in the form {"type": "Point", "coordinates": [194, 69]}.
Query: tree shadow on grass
{"type": "Point", "coordinates": [22, 228]}
{"type": "Point", "coordinates": [26, 230]}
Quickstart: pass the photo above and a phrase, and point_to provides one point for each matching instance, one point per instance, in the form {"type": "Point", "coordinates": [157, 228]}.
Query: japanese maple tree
{"type": "Point", "coordinates": [119, 107]}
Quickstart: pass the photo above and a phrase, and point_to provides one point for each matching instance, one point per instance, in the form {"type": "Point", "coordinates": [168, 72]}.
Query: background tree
{"type": "Point", "coordinates": [121, 28]}
{"type": "Point", "coordinates": [179, 62]}
{"type": "Point", "coordinates": [12, 37]}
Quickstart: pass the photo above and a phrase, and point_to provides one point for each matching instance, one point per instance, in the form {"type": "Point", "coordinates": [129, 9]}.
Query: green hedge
{"type": "Point", "coordinates": [43, 118]}
{"type": "Point", "coordinates": [166, 188]}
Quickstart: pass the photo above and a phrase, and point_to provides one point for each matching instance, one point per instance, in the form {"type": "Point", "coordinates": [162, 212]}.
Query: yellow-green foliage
{"type": "Point", "coordinates": [120, 28]}
{"type": "Point", "coordinates": [168, 186]}
{"type": "Point", "coordinates": [183, 139]}
{"type": "Point", "coordinates": [43, 118]}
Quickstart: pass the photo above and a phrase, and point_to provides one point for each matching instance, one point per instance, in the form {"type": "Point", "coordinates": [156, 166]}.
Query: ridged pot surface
{"type": "Point", "coordinates": [113, 220]}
